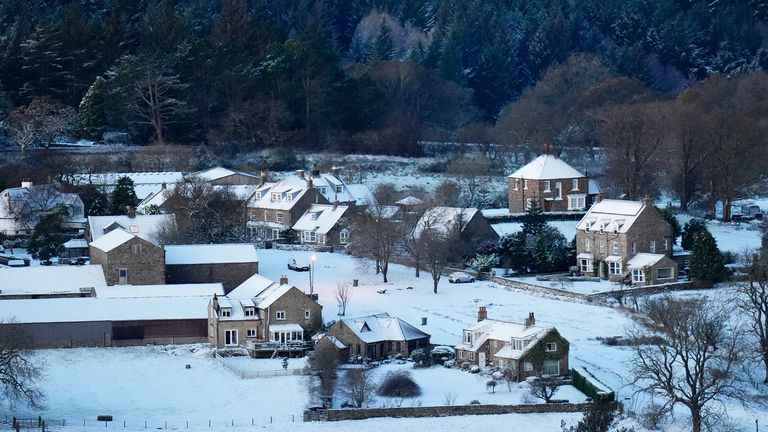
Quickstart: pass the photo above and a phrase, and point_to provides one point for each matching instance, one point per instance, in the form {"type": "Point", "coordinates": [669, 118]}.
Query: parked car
{"type": "Point", "coordinates": [460, 277]}
{"type": "Point", "coordinates": [296, 267]}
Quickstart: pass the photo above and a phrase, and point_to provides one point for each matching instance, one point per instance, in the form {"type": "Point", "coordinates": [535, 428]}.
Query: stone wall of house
{"type": "Point", "coordinates": [441, 411]}
{"type": "Point", "coordinates": [355, 346]}
{"type": "Point", "coordinates": [478, 230]}
{"type": "Point", "coordinates": [217, 328]}
{"type": "Point", "coordinates": [231, 275]}
{"type": "Point", "coordinates": [518, 197]}
{"type": "Point", "coordinates": [294, 303]}
{"type": "Point", "coordinates": [288, 216]}
{"type": "Point", "coordinates": [236, 179]}
{"type": "Point", "coordinates": [537, 354]}
{"type": "Point", "coordinates": [145, 264]}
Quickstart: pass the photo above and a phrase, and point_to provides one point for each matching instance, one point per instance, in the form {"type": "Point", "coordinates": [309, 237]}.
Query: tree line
{"type": "Point", "coordinates": [354, 75]}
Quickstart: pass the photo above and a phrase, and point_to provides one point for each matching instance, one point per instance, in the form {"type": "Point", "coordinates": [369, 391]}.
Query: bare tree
{"type": "Point", "coordinates": [375, 235]}
{"type": "Point", "coordinates": [324, 364]}
{"type": "Point", "coordinates": [439, 240]}
{"type": "Point", "coordinates": [691, 355]}
{"type": "Point", "coordinates": [39, 122]}
{"type": "Point", "coordinates": [19, 371]}
{"type": "Point", "coordinates": [753, 301]}
{"type": "Point", "coordinates": [544, 388]}
{"type": "Point", "coordinates": [343, 293]}
{"type": "Point", "coordinates": [358, 387]}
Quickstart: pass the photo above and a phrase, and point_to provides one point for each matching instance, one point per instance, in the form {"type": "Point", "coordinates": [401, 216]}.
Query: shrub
{"type": "Point", "coordinates": [420, 358]}
{"type": "Point", "coordinates": [399, 384]}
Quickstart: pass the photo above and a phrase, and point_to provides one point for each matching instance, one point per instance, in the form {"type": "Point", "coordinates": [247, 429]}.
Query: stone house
{"type": "Point", "coordinates": [21, 207]}
{"type": "Point", "coordinates": [264, 316]}
{"type": "Point", "coordinates": [323, 225]}
{"type": "Point", "coordinates": [144, 226]}
{"type": "Point", "coordinates": [230, 264]}
{"type": "Point", "coordinates": [376, 337]}
{"type": "Point", "coordinates": [526, 349]}
{"type": "Point", "coordinates": [220, 176]}
{"type": "Point", "coordinates": [613, 232]}
{"type": "Point", "coordinates": [128, 259]}
{"type": "Point", "coordinates": [473, 227]}
{"type": "Point", "coordinates": [556, 186]}
{"type": "Point", "coordinates": [651, 269]}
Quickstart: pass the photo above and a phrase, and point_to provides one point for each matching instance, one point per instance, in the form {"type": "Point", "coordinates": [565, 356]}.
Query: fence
{"type": "Point", "coordinates": [43, 424]}
{"type": "Point", "coordinates": [246, 374]}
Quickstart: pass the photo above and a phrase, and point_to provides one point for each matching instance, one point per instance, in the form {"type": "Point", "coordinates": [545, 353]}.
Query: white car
{"type": "Point", "coordinates": [460, 277]}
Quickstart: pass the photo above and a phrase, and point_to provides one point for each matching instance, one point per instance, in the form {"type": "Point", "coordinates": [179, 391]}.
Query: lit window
{"type": "Point", "coordinates": [280, 315]}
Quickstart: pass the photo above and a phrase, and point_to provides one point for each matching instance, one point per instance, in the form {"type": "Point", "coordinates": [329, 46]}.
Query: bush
{"type": "Point", "coordinates": [399, 384]}
{"type": "Point", "coordinates": [420, 358]}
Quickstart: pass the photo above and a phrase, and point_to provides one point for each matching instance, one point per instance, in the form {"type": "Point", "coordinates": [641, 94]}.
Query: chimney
{"type": "Point", "coordinates": [482, 314]}
{"type": "Point", "coordinates": [283, 280]}
{"type": "Point", "coordinates": [262, 178]}
{"type": "Point", "coordinates": [163, 186]}
{"type": "Point", "coordinates": [131, 212]}
{"type": "Point", "coordinates": [300, 173]}
{"type": "Point", "coordinates": [336, 171]}
{"type": "Point", "coordinates": [531, 320]}
{"type": "Point", "coordinates": [335, 202]}
{"type": "Point", "coordinates": [215, 302]}
{"type": "Point", "coordinates": [599, 197]}
{"type": "Point", "coordinates": [647, 201]}
{"type": "Point", "coordinates": [315, 171]}
{"type": "Point", "coordinates": [309, 182]}
{"type": "Point", "coordinates": [26, 183]}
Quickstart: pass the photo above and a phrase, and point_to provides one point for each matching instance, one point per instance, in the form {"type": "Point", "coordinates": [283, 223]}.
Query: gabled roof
{"type": "Point", "coordinates": [383, 327]}
{"type": "Point", "coordinates": [611, 215]}
{"type": "Point", "coordinates": [35, 198]}
{"type": "Point", "coordinates": [289, 196]}
{"type": "Point", "coordinates": [642, 260]}
{"type": "Point", "coordinates": [409, 201]}
{"type": "Point", "coordinates": [217, 173]}
{"type": "Point", "coordinates": [490, 329]}
{"type": "Point", "coordinates": [320, 218]}
{"type": "Point", "coordinates": [547, 167]}
{"type": "Point", "coordinates": [206, 290]}
{"type": "Point", "coordinates": [444, 219]}
{"type": "Point", "coordinates": [50, 279]}
{"type": "Point", "coordinates": [144, 183]}
{"type": "Point", "coordinates": [111, 240]}
{"type": "Point", "coordinates": [144, 226]}
{"type": "Point", "coordinates": [331, 187]}
{"type": "Point", "coordinates": [210, 254]}
{"type": "Point", "coordinates": [251, 287]}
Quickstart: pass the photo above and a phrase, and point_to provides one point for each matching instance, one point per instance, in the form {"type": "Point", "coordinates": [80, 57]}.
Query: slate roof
{"type": "Point", "coordinates": [547, 167]}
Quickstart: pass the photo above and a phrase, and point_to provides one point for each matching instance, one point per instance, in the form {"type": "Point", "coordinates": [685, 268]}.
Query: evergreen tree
{"type": "Point", "coordinates": [671, 219]}
{"type": "Point", "coordinates": [90, 116]}
{"type": "Point", "coordinates": [690, 230]}
{"type": "Point", "coordinates": [123, 196]}
{"type": "Point", "coordinates": [707, 263]}
{"type": "Point", "coordinates": [534, 220]}
{"type": "Point", "coordinates": [382, 47]}
{"type": "Point", "coordinates": [47, 237]}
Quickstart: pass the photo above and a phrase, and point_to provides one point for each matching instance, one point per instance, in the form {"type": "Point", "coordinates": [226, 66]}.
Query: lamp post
{"type": "Point", "coordinates": [312, 274]}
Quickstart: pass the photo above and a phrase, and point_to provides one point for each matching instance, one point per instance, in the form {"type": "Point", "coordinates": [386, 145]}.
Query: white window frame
{"type": "Point", "coordinates": [257, 195]}
{"type": "Point", "coordinates": [321, 189]}
{"type": "Point", "coordinates": [310, 237]}
{"type": "Point", "coordinates": [546, 186]}
{"type": "Point", "coordinates": [585, 265]}
{"type": "Point", "coordinates": [575, 184]}
{"type": "Point", "coordinates": [471, 356]}
{"type": "Point", "coordinates": [634, 248]}
{"type": "Point", "coordinates": [275, 196]}
{"type": "Point", "coordinates": [601, 246]}
{"type": "Point", "coordinates": [468, 338]}
{"type": "Point", "coordinates": [230, 334]}
{"type": "Point", "coordinates": [527, 367]}
{"type": "Point", "coordinates": [279, 217]}
{"type": "Point", "coordinates": [615, 247]}
{"type": "Point", "coordinates": [614, 268]}
{"type": "Point", "coordinates": [652, 246]}
{"type": "Point", "coordinates": [122, 276]}
{"type": "Point", "coordinates": [307, 314]}
{"type": "Point", "coordinates": [671, 273]}
{"type": "Point", "coordinates": [553, 347]}
{"type": "Point", "coordinates": [280, 315]}
{"type": "Point", "coordinates": [548, 364]}
{"type": "Point", "coordinates": [559, 190]}
{"type": "Point", "coordinates": [666, 244]}
{"type": "Point", "coordinates": [576, 202]}
{"type": "Point", "coordinates": [288, 198]}
{"type": "Point", "coordinates": [225, 312]}
{"type": "Point", "coordinates": [517, 184]}
{"type": "Point", "coordinates": [275, 233]}
{"type": "Point", "coordinates": [251, 332]}
{"type": "Point", "coordinates": [249, 311]}
{"type": "Point", "coordinates": [525, 183]}
{"type": "Point", "coordinates": [587, 245]}
{"type": "Point", "coordinates": [518, 344]}
{"type": "Point", "coordinates": [343, 236]}
{"type": "Point", "coordinates": [338, 189]}
{"type": "Point", "coordinates": [638, 275]}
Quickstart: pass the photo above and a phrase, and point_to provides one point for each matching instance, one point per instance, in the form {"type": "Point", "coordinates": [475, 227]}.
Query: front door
{"type": "Point", "coordinates": [481, 359]}
{"type": "Point", "coordinates": [122, 276]}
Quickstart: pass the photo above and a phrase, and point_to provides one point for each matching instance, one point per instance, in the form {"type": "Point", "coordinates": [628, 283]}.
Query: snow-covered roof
{"type": "Point", "coordinates": [443, 219]}
{"type": "Point", "coordinates": [287, 196]}
{"type": "Point", "coordinates": [35, 198]}
{"type": "Point", "coordinates": [144, 183]}
{"type": "Point", "coordinates": [210, 254]}
{"type": "Point", "coordinates": [642, 260]}
{"type": "Point", "coordinates": [409, 201]}
{"type": "Point", "coordinates": [547, 167]}
{"type": "Point", "coordinates": [75, 243]}
{"type": "Point", "coordinates": [383, 327]}
{"type": "Point", "coordinates": [50, 279]}
{"type": "Point", "coordinates": [362, 194]}
{"type": "Point", "coordinates": [293, 327]}
{"type": "Point", "coordinates": [331, 187]}
{"type": "Point", "coordinates": [320, 218]}
{"type": "Point", "coordinates": [611, 215]}
{"type": "Point", "coordinates": [112, 239]}
{"type": "Point", "coordinates": [217, 173]}
{"type": "Point", "coordinates": [594, 187]}
{"type": "Point", "coordinates": [144, 226]}
{"type": "Point", "coordinates": [206, 290]}
{"type": "Point", "coordinates": [251, 287]}
{"type": "Point", "coordinates": [490, 329]}
{"type": "Point", "coordinates": [89, 309]}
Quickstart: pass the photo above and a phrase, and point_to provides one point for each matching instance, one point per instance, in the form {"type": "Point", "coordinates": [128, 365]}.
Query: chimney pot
{"type": "Point", "coordinates": [315, 171]}
{"type": "Point", "coordinates": [336, 171]}
{"type": "Point", "coordinates": [599, 197]}
{"type": "Point", "coordinates": [482, 314]}
{"type": "Point", "coordinates": [283, 280]}
{"type": "Point", "coordinates": [300, 173]}
{"type": "Point", "coordinates": [647, 200]}
{"type": "Point", "coordinates": [131, 212]}
{"type": "Point", "coordinates": [262, 178]}
{"type": "Point", "coordinates": [309, 182]}
{"type": "Point", "coordinates": [335, 202]}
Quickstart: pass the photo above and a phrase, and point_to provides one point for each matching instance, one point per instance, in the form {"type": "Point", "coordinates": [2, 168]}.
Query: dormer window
{"type": "Point", "coordinates": [288, 198]}
{"type": "Point", "coordinates": [275, 196]}
{"type": "Point", "coordinates": [134, 229]}
{"type": "Point", "coordinates": [313, 215]}
{"type": "Point", "coordinates": [468, 338]}
{"type": "Point", "coordinates": [249, 312]}
{"type": "Point", "coordinates": [321, 189]}
{"type": "Point", "coordinates": [338, 189]}
{"type": "Point", "coordinates": [258, 195]}
{"type": "Point", "coordinates": [586, 227]}
{"type": "Point", "coordinates": [225, 312]}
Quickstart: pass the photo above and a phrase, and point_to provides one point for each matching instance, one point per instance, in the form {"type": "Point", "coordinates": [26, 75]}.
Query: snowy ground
{"type": "Point", "coordinates": [581, 287]}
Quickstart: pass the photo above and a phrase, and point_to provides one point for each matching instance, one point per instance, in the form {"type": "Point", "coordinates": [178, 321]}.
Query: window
{"type": "Point", "coordinates": [527, 366]}
{"type": "Point", "coordinates": [136, 249]}
{"type": "Point", "coordinates": [310, 237]}
{"type": "Point", "coordinates": [253, 215]}
{"type": "Point", "coordinates": [517, 184]}
{"type": "Point", "coordinates": [638, 276]}
{"type": "Point", "coordinates": [471, 356]}
{"type": "Point", "coordinates": [546, 186]}
{"type": "Point", "coordinates": [122, 276]}
{"type": "Point", "coordinates": [587, 245]}
{"type": "Point", "coordinates": [249, 312]}
{"type": "Point", "coordinates": [550, 367]}
{"type": "Point", "coordinates": [307, 313]}
{"type": "Point", "coordinates": [614, 267]}
{"type": "Point", "coordinates": [558, 190]}
{"type": "Point", "coordinates": [576, 202]}
{"type": "Point", "coordinates": [461, 355]}
{"type": "Point", "coordinates": [275, 233]}
{"type": "Point", "coordinates": [280, 315]}
{"type": "Point", "coordinates": [615, 248]}
{"type": "Point", "coordinates": [601, 245]}
{"type": "Point", "coordinates": [664, 273]}
{"type": "Point", "coordinates": [575, 184]}
{"type": "Point", "coordinates": [258, 195]}
{"type": "Point", "coordinates": [634, 248]}
{"type": "Point", "coordinates": [338, 189]}
{"type": "Point", "coordinates": [528, 203]}
{"type": "Point", "coordinates": [518, 344]}
{"type": "Point", "coordinates": [288, 198]}
{"type": "Point", "coordinates": [225, 313]}
{"type": "Point", "coordinates": [230, 337]}
{"type": "Point", "coordinates": [279, 217]}
{"type": "Point", "coordinates": [266, 215]}
{"type": "Point", "coordinates": [468, 337]}
{"type": "Point", "coordinates": [525, 184]}
{"type": "Point", "coordinates": [250, 332]}
{"type": "Point", "coordinates": [397, 346]}
{"type": "Point", "coordinates": [652, 246]}
{"type": "Point", "coordinates": [586, 266]}
{"type": "Point", "coordinates": [343, 237]}
{"type": "Point", "coordinates": [275, 196]}
{"type": "Point", "coordinates": [551, 347]}
{"type": "Point", "coordinates": [666, 244]}
{"type": "Point", "coordinates": [134, 229]}
{"type": "Point", "coordinates": [321, 189]}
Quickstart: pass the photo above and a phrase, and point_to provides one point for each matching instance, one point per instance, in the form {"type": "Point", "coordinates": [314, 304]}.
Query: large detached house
{"type": "Point", "coordinates": [375, 337]}
{"type": "Point", "coordinates": [21, 207]}
{"type": "Point", "coordinates": [554, 184]}
{"type": "Point", "coordinates": [525, 349]}
{"type": "Point", "coordinates": [470, 223]}
{"type": "Point", "coordinates": [264, 316]}
{"type": "Point", "coordinates": [128, 259]}
{"type": "Point", "coordinates": [320, 225]}
{"type": "Point", "coordinates": [626, 239]}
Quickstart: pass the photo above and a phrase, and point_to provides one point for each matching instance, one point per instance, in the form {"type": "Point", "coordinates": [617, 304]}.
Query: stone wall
{"type": "Point", "coordinates": [517, 198]}
{"type": "Point", "coordinates": [144, 261]}
{"type": "Point", "coordinates": [440, 411]}
{"type": "Point", "coordinates": [231, 275]}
